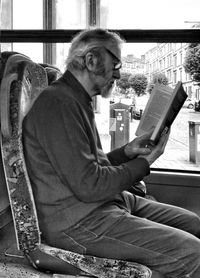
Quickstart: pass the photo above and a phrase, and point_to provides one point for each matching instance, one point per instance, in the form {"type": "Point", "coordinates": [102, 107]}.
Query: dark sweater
{"type": "Point", "coordinates": [70, 174]}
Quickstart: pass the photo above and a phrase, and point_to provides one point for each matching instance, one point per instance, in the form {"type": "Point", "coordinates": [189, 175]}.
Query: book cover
{"type": "Point", "coordinates": [161, 110]}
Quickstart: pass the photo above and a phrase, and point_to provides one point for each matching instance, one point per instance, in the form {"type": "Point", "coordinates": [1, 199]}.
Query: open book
{"type": "Point", "coordinates": [161, 110]}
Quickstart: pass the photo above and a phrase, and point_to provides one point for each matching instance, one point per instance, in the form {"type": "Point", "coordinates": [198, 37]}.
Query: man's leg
{"type": "Point", "coordinates": [115, 233]}
{"type": "Point", "coordinates": [163, 213]}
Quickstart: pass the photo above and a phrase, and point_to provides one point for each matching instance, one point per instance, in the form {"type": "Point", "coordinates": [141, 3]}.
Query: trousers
{"type": "Point", "coordinates": [163, 237]}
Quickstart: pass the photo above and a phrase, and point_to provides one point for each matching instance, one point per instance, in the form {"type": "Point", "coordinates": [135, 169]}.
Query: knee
{"type": "Point", "coordinates": [188, 258]}
{"type": "Point", "coordinates": [193, 263]}
{"type": "Point", "coordinates": [194, 225]}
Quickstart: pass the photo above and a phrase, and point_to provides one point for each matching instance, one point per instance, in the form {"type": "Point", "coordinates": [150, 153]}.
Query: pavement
{"type": "Point", "coordinates": [177, 153]}
{"type": "Point", "coordinates": [176, 156]}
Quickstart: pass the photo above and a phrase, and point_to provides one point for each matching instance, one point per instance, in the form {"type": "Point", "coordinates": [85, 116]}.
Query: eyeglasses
{"type": "Point", "coordinates": [116, 65]}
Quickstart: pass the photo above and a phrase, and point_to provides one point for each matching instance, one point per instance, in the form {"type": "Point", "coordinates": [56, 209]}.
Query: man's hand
{"type": "Point", "coordinates": [157, 150]}
{"type": "Point", "coordinates": [138, 146]}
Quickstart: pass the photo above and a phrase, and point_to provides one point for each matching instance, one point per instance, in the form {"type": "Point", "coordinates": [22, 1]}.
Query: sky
{"type": "Point", "coordinates": [150, 14]}
{"type": "Point", "coordinates": [137, 49]}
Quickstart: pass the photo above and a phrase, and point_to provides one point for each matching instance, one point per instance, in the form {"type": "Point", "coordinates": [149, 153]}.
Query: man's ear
{"type": "Point", "coordinates": [90, 61]}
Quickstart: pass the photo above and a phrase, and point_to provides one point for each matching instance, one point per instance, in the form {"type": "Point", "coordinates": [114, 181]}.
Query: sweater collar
{"type": "Point", "coordinates": [77, 87]}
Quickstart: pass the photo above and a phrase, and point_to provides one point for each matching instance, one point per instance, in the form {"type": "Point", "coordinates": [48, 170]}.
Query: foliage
{"type": "Point", "coordinates": [192, 62]}
{"type": "Point", "coordinates": [123, 83]}
{"type": "Point", "coordinates": [139, 83]}
{"type": "Point", "coordinates": [158, 78]}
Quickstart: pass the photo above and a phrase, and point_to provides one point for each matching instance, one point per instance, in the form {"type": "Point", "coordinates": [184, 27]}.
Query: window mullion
{"type": "Point", "coordinates": [49, 19]}
{"type": "Point", "coordinates": [94, 13]}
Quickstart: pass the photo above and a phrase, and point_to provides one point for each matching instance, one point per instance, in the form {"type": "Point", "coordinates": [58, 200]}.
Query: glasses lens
{"type": "Point", "coordinates": [118, 64]}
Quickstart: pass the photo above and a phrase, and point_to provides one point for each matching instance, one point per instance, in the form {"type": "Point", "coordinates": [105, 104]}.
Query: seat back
{"type": "Point", "coordinates": [21, 83]}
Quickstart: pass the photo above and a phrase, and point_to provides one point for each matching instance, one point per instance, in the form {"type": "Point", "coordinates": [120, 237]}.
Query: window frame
{"type": "Point", "coordinates": [130, 35]}
{"type": "Point", "coordinates": [141, 36]}
{"type": "Point", "coordinates": [49, 36]}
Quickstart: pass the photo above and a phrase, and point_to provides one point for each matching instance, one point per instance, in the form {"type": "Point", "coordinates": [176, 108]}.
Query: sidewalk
{"type": "Point", "coordinates": [176, 154]}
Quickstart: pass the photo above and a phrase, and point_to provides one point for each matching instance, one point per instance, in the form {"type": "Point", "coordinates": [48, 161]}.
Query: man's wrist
{"type": "Point", "coordinates": [128, 152]}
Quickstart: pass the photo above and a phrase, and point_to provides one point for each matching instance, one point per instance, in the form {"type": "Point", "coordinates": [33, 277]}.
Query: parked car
{"type": "Point", "coordinates": [135, 113]}
{"type": "Point", "coordinates": [189, 103]}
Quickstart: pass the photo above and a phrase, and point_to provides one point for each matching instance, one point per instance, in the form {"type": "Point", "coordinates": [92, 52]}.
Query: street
{"type": "Point", "coordinates": [177, 151]}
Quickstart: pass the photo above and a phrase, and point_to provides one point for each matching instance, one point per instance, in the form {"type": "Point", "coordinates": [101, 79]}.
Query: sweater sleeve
{"type": "Point", "coordinates": [117, 156]}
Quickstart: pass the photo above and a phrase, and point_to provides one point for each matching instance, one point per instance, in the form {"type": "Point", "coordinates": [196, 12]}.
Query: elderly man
{"type": "Point", "coordinates": [80, 192]}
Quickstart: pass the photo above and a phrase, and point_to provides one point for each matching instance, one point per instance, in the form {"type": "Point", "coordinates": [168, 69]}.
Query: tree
{"type": "Point", "coordinates": [123, 82]}
{"type": "Point", "coordinates": [192, 62]}
{"type": "Point", "coordinates": [139, 83]}
{"type": "Point", "coordinates": [158, 78]}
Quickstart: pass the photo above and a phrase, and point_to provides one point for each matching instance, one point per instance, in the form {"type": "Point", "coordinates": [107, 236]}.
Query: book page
{"type": "Point", "coordinates": [155, 107]}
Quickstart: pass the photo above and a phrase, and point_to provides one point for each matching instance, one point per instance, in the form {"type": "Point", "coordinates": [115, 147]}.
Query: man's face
{"type": "Point", "coordinates": [107, 72]}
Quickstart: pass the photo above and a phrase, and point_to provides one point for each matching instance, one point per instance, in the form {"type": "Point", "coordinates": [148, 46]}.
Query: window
{"type": "Point", "coordinates": [175, 60]}
{"type": "Point", "coordinates": [15, 14]}
{"type": "Point", "coordinates": [189, 91]}
{"type": "Point", "coordinates": [169, 76]}
{"type": "Point", "coordinates": [74, 16]}
{"type": "Point", "coordinates": [197, 94]}
{"type": "Point", "coordinates": [164, 63]}
{"type": "Point", "coordinates": [181, 58]}
{"type": "Point", "coordinates": [169, 60]}
{"type": "Point", "coordinates": [152, 51]}
{"type": "Point", "coordinates": [180, 74]}
{"type": "Point", "coordinates": [146, 14]}
{"type": "Point", "coordinates": [25, 14]}
{"type": "Point", "coordinates": [175, 76]}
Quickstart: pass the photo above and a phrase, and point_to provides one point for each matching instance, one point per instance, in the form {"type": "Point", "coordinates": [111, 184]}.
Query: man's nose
{"type": "Point", "coordinates": [116, 74]}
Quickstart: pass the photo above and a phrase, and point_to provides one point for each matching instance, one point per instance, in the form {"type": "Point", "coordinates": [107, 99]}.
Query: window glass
{"type": "Point", "coordinates": [5, 20]}
{"type": "Point", "coordinates": [27, 14]}
{"type": "Point", "coordinates": [61, 55]}
{"type": "Point", "coordinates": [154, 14]}
{"type": "Point", "coordinates": [32, 50]}
{"type": "Point", "coordinates": [146, 59]}
{"type": "Point", "coordinates": [71, 14]}
{"type": "Point", "coordinates": [5, 14]}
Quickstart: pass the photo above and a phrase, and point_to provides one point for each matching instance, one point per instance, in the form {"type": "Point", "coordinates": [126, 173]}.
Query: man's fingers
{"type": "Point", "coordinates": [146, 135]}
{"type": "Point", "coordinates": [144, 151]}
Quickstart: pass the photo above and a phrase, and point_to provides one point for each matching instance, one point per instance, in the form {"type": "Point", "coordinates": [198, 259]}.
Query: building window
{"type": "Point", "coordinates": [169, 76]}
{"type": "Point", "coordinates": [189, 91]}
{"type": "Point", "coordinates": [175, 60]}
{"type": "Point", "coordinates": [175, 76]}
{"type": "Point", "coordinates": [197, 94]}
{"type": "Point", "coordinates": [180, 74]}
{"type": "Point", "coordinates": [181, 58]}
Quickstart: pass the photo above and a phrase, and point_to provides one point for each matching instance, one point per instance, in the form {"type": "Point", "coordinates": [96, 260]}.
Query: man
{"type": "Point", "coordinates": [80, 192]}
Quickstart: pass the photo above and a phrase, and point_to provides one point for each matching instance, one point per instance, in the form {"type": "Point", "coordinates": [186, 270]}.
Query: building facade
{"type": "Point", "coordinates": [133, 65]}
{"type": "Point", "coordinates": [165, 58]}
{"type": "Point", "coordinates": [168, 58]}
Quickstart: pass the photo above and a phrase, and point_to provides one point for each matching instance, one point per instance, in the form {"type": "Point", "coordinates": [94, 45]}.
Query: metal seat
{"type": "Point", "coordinates": [22, 81]}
